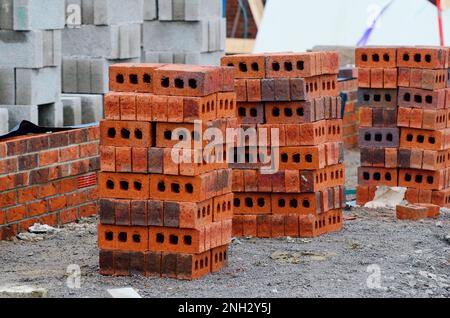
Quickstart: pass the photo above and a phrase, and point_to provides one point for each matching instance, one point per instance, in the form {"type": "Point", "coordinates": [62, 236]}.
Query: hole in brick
{"type": "Point", "coordinates": [179, 83]}
{"type": "Point", "coordinates": [407, 97]}
{"type": "Point", "coordinates": [419, 178]}
{"type": "Point", "coordinates": [109, 236]}
{"type": "Point", "coordinates": [284, 157]}
{"type": "Point", "coordinates": [409, 137]}
{"type": "Point", "coordinates": [165, 82]}
{"type": "Point", "coordinates": [120, 79]}
{"type": "Point", "coordinates": [230, 65]}
{"type": "Point", "coordinates": [366, 176]}
{"type": "Point", "coordinates": [243, 67]}
{"type": "Point", "coordinates": [408, 177]}
{"type": "Point", "coordinates": [377, 98]}
{"type": "Point", "coordinates": [406, 57]}
{"type": "Point", "coordinates": [429, 99]}
{"type": "Point", "coordinates": [137, 185]}
{"type": "Point", "coordinates": [193, 83]}
{"type": "Point", "coordinates": [204, 212]}
{"type": "Point", "coordinates": [367, 137]}
{"type": "Point", "coordinates": [237, 202]}
{"type": "Point", "coordinates": [309, 158]}
{"type": "Point", "coordinates": [187, 240]}
{"type": "Point", "coordinates": [386, 57]}
{"type": "Point", "coordinates": [418, 98]}
{"type": "Point", "coordinates": [377, 176]}
{"type": "Point", "coordinates": [138, 134]}
{"type": "Point", "coordinates": [364, 58]}
{"type": "Point", "coordinates": [173, 239]}
{"type": "Point", "coordinates": [387, 97]}
{"type": "Point", "coordinates": [431, 140]}
{"type": "Point", "coordinates": [111, 132]}
{"type": "Point", "coordinates": [430, 180]}
{"type": "Point", "coordinates": [366, 97]}
{"type": "Point", "coordinates": [306, 204]}
{"type": "Point", "coordinates": [175, 187]}
{"type": "Point", "coordinates": [388, 176]}
{"type": "Point", "coordinates": [124, 185]}
{"type": "Point", "coordinates": [375, 57]}
{"type": "Point", "coordinates": [160, 238]}
{"type": "Point", "coordinates": [288, 112]}
{"type": "Point", "coordinates": [147, 79]}
{"type": "Point", "coordinates": [316, 86]}
{"type": "Point", "coordinates": [417, 58]}
{"type": "Point", "coordinates": [249, 202]}
{"type": "Point", "coordinates": [110, 184]}
{"type": "Point", "coordinates": [276, 66]}
{"type": "Point", "coordinates": [253, 112]}
{"type": "Point", "coordinates": [300, 112]}
{"type": "Point", "coordinates": [125, 133]}
{"type": "Point", "coordinates": [261, 202]}
{"type": "Point", "coordinates": [123, 237]}
{"type": "Point", "coordinates": [288, 66]}
{"type": "Point", "coordinates": [300, 65]}
{"type": "Point", "coordinates": [136, 238]}
{"type": "Point", "coordinates": [168, 135]}
{"type": "Point", "coordinates": [420, 139]}
{"type": "Point", "coordinates": [276, 112]}
{"type": "Point", "coordinates": [133, 79]}
{"type": "Point", "coordinates": [196, 265]}
{"type": "Point", "coordinates": [389, 137]}
{"type": "Point", "coordinates": [242, 112]}
{"type": "Point", "coordinates": [428, 58]}
{"type": "Point", "coordinates": [255, 67]}
{"type": "Point", "coordinates": [293, 203]}
{"type": "Point", "coordinates": [161, 187]}
{"type": "Point", "coordinates": [378, 137]}
{"type": "Point", "coordinates": [281, 203]}
{"type": "Point", "coordinates": [189, 188]}
{"type": "Point", "coordinates": [296, 158]}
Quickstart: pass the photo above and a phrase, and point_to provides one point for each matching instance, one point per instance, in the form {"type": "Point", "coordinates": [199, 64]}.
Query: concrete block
{"type": "Point", "coordinates": [165, 10]}
{"type": "Point", "coordinates": [17, 113]}
{"type": "Point", "coordinates": [7, 86]}
{"type": "Point", "coordinates": [38, 86]}
{"type": "Point", "coordinates": [51, 115]}
{"type": "Point", "coordinates": [175, 36]}
{"type": "Point", "coordinates": [69, 75]}
{"type": "Point", "coordinates": [108, 12]}
{"type": "Point", "coordinates": [150, 10]}
{"type": "Point", "coordinates": [91, 107]}
{"type": "Point", "coordinates": [33, 49]}
{"type": "Point", "coordinates": [71, 111]}
{"type": "Point", "coordinates": [196, 10]}
{"type": "Point", "coordinates": [74, 13]}
{"type": "Point", "coordinates": [30, 15]}
{"type": "Point", "coordinates": [4, 125]}
{"type": "Point", "coordinates": [204, 58]}
{"type": "Point", "coordinates": [111, 42]}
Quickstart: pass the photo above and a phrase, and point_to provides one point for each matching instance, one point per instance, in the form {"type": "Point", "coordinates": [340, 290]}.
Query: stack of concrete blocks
{"type": "Point", "coordinates": [98, 33]}
{"type": "Point", "coordinates": [183, 32]}
{"type": "Point", "coordinates": [30, 62]}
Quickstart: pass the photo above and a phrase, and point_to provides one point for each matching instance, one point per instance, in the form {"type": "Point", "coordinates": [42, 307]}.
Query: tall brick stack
{"type": "Point", "coordinates": [298, 94]}
{"type": "Point", "coordinates": [160, 217]}
{"type": "Point", "coordinates": [98, 33]}
{"type": "Point", "coordinates": [183, 32]}
{"type": "Point", "coordinates": [348, 85]}
{"type": "Point", "coordinates": [405, 100]}
{"type": "Point", "coordinates": [30, 61]}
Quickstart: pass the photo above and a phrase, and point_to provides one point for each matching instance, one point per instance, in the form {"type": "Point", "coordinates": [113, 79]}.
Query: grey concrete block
{"type": "Point", "coordinates": [74, 13]}
{"type": "Point", "coordinates": [4, 124]}
{"type": "Point", "coordinates": [69, 75]}
{"type": "Point", "coordinates": [33, 49]}
{"type": "Point", "coordinates": [195, 58]}
{"type": "Point", "coordinates": [196, 10]}
{"type": "Point", "coordinates": [91, 107]}
{"type": "Point", "coordinates": [165, 10]}
{"type": "Point", "coordinates": [175, 36]}
{"type": "Point", "coordinates": [178, 9]}
{"type": "Point", "coordinates": [51, 115]}
{"type": "Point", "coordinates": [204, 58]}
{"type": "Point", "coordinates": [7, 86]}
{"type": "Point", "coordinates": [150, 10]}
{"type": "Point", "coordinates": [38, 86]}
{"type": "Point", "coordinates": [108, 12]}
{"type": "Point", "coordinates": [111, 42]}
{"type": "Point", "coordinates": [28, 15]}
{"type": "Point", "coordinates": [71, 110]}
{"type": "Point", "coordinates": [17, 113]}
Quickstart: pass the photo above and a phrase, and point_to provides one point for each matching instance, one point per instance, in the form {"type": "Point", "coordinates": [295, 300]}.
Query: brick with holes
{"type": "Point", "coordinates": [376, 57]}
{"type": "Point", "coordinates": [132, 77]}
{"type": "Point", "coordinates": [125, 133]}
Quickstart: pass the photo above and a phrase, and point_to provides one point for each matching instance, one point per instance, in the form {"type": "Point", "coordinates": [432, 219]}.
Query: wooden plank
{"type": "Point", "coordinates": [239, 46]}
{"type": "Point", "coordinates": [257, 8]}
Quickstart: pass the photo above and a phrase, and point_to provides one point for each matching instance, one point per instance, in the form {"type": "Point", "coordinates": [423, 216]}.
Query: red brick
{"type": "Point", "coordinates": [48, 157]}
{"type": "Point", "coordinates": [68, 216]}
{"type": "Point", "coordinates": [15, 214]}
{"type": "Point", "coordinates": [69, 153]}
{"type": "Point", "coordinates": [57, 203]}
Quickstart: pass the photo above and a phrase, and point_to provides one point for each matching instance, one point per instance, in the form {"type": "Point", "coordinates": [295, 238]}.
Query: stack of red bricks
{"type": "Point", "coordinates": [158, 216]}
{"type": "Point", "coordinates": [298, 95]}
{"type": "Point", "coordinates": [348, 85]}
{"type": "Point", "coordinates": [48, 179]}
{"type": "Point", "coordinates": [405, 113]}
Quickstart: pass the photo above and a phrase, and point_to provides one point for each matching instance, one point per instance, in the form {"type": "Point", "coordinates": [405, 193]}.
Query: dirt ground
{"type": "Point", "coordinates": [373, 256]}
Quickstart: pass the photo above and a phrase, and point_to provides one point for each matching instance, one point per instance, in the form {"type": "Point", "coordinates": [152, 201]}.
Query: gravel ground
{"type": "Point", "coordinates": [373, 256]}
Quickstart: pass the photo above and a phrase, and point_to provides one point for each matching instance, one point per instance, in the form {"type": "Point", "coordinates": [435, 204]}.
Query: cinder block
{"type": "Point", "coordinates": [108, 12]}
{"type": "Point", "coordinates": [165, 10]}
{"type": "Point", "coordinates": [196, 10]}
{"type": "Point", "coordinates": [30, 15]}
{"type": "Point", "coordinates": [71, 111]}
{"type": "Point", "coordinates": [34, 49]}
{"type": "Point", "coordinates": [7, 86]}
{"type": "Point", "coordinates": [51, 115]}
{"type": "Point", "coordinates": [4, 124]}
{"type": "Point", "coordinates": [17, 113]}
{"type": "Point", "coordinates": [150, 10]}
{"type": "Point", "coordinates": [193, 58]}
{"type": "Point", "coordinates": [111, 42]}
{"type": "Point", "coordinates": [91, 107]}
{"type": "Point", "coordinates": [38, 86]}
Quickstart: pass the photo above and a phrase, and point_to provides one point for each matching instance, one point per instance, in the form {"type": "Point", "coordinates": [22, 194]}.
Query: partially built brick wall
{"type": "Point", "coordinates": [48, 178]}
